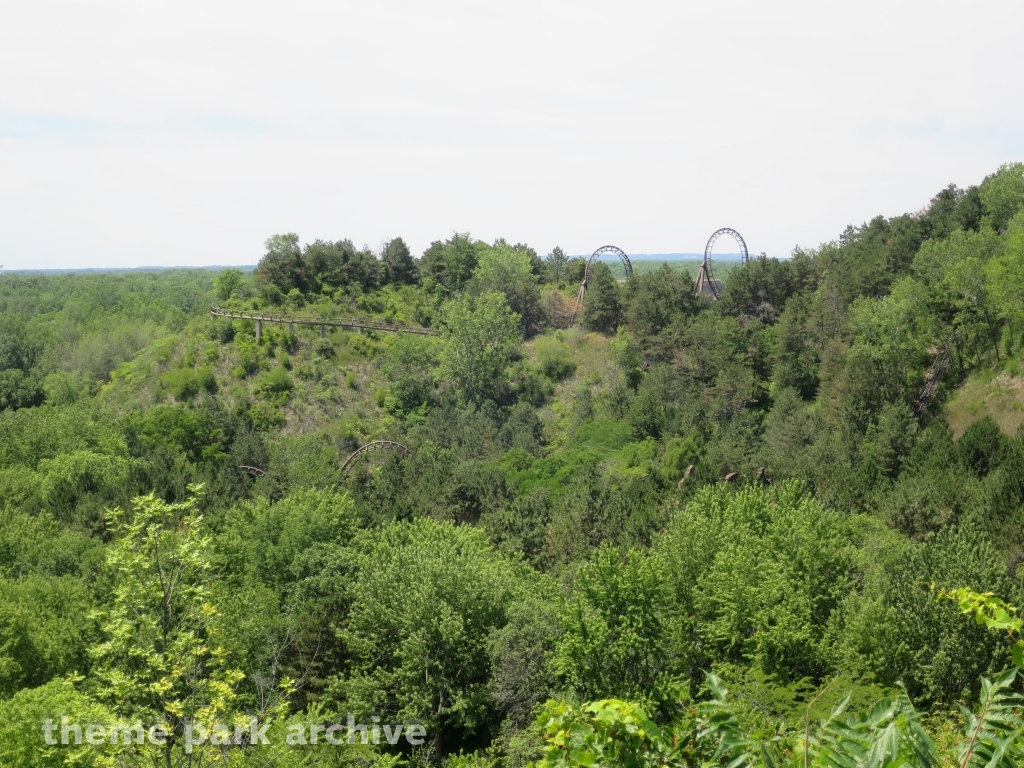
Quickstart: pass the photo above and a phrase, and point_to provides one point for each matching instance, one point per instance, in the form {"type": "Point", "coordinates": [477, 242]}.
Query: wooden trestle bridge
{"type": "Point", "coordinates": [323, 322]}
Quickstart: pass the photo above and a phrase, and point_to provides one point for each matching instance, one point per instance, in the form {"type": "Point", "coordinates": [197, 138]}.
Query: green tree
{"type": "Point", "coordinates": [425, 658]}
{"type": "Point", "coordinates": [614, 636]}
{"type": "Point", "coordinates": [761, 287]}
{"type": "Point", "coordinates": [753, 576]}
{"type": "Point", "coordinates": [226, 282]}
{"type": "Point", "coordinates": [656, 307]}
{"type": "Point", "coordinates": [20, 385]}
{"type": "Point", "coordinates": [42, 632]}
{"type": "Point", "coordinates": [161, 661]}
{"type": "Point", "coordinates": [611, 733]}
{"type": "Point", "coordinates": [397, 263]}
{"type": "Point", "coordinates": [22, 716]}
{"type": "Point", "coordinates": [557, 263]}
{"type": "Point", "coordinates": [282, 265]}
{"type": "Point", "coordinates": [510, 272]}
{"type": "Point", "coordinates": [890, 350]}
{"type": "Point", "coordinates": [450, 264]}
{"type": "Point", "coordinates": [794, 357]}
{"type": "Point", "coordinates": [479, 335]}
{"type": "Point", "coordinates": [1003, 194]}
{"type": "Point", "coordinates": [20, 389]}
{"type": "Point", "coordinates": [1004, 276]}
{"type": "Point", "coordinates": [332, 265]}
{"type": "Point", "coordinates": [601, 304]}
{"type": "Point", "coordinates": [936, 257]}
{"type": "Point", "coordinates": [408, 365]}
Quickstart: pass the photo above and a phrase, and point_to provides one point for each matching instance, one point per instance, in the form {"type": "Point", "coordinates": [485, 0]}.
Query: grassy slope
{"type": "Point", "coordinates": [996, 393]}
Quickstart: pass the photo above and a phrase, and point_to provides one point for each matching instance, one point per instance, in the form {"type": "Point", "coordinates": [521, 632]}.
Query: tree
{"type": "Point", "coordinates": [794, 359]}
{"type": "Point", "coordinates": [890, 350]}
{"type": "Point", "coordinates": [398, 265]}
{"type": "Point", "coordinates": [225, 282]}
{"type": "Point", "coordinates": [425, 596]}
{"type": "Point", "coordinates": [1003, 194]}
{"type": "Point", "coordinates": [479, 335]}
{"type": "Point", "coordinates": [161, 662]}
{"type": "Point", "coordinates": [20, 389]}
{"type": "Point", "coordinates": [282, 265]}
{"type": "Point", "coordinates": [332, 265]}
{"type": "Point", "coordinates": [407, 366]}
{"type": "Point", "coordinates": [557, 262]}
{"type": "Point", "coordinates": [612, 733]}
{"type": "Point", "coordinates": [20, 385]}
{"type": "Point", "coordinates": [1005, 276]}
{"type": "Point", "coordinates": [511, 272]}
{"type": "Point", "coordinates": [655, 308]}
{"type": "Point", "coordinates": [614, 637]}
{"type": "Point", "coordinates": [451, 263]}
{"type": "Point", "coordinates": [601, 304]}
{"type": "Point", "coordinates": [755, 576]}
{"type": "Point", "coordinates": [19, 347]}
{"type": "Point", "coordinates": [21, 737]}
{"type": "Point", "coordinates": [761, 287]}
{"type": "Point", "coordinates": [42, 634]}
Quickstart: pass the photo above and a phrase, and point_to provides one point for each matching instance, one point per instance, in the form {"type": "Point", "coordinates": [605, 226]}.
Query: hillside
{"type": "Point", "coordinates": [622, 506]}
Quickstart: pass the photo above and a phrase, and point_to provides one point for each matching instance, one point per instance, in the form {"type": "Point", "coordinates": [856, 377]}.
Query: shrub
{"type": "Point", "coordinates": [274, 385]}
{"type": "Point", "coordinates": [266, 417]}
{"type": "Point", "coordinates": [20, 389]}
{"type": "Point", "coordinates": [363, 346]}
{"type": "Point", "coordinates": [323, 348]}
{"type": "Point", "coordinates": [248, 356]}
{"type": "Point", "coordinates": [555, 359]}
{"type": "Point", "coordinates": [222, 330]}
{"type": "Point", "coordinates": [182, 383]}
{"type": "Point", "coordinates": [207, 381]}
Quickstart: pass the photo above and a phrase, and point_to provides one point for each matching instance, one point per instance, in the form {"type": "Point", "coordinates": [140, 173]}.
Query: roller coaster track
{"type": "Point", "coordinates": [626, 264]}
{"type": "Point", "coordinates": [931, 381]}
{"type": "Point", "coordinates": [323, 322]}
{"type": "Point", "coordinates": [376, 445]}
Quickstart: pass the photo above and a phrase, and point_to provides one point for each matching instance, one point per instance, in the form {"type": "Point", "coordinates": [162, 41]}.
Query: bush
{"type": "Point", "coordinates": [20, 389]}
{"type": "Point", "coordinates": [555, 359]}
{"type": "Point", "coordinates": [272, 294]}
{"type": "Point", "coordinates": [274, 385]}
{"type": "Point", "coordinates": [266, 417]}
{"type": "Point", "coordinates": [64, 388]}
{"type": "Point", "coordinates": [323, 348]}
{"type": "Point", "coordinates": [182, 383]}
{"type": "Point", "coordinates": [363, 346]}
{"type": "Point", "coordinates": [185, 383]}
{"type": "Point", "coordinates": [222, 330]}
{"type": "Point", "coordinates": [248, 357]}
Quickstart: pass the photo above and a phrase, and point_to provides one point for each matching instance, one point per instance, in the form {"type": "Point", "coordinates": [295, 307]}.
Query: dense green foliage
{"type": "Point", "coordinates": [673, 498]}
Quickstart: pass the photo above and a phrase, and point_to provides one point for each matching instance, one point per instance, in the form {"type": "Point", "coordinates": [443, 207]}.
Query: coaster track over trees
{"type": "Point", "coordinates": [323, 322]}
{"type": "Point", "coordinates": [376, 445]}
{"type": "Point", "coordinates": [586, 274]}
{"type": "Point", "coordinates": [706, 282]}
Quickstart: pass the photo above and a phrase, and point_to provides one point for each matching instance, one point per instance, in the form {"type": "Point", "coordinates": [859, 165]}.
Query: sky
{"type": "Point", "coordinates": [185, 133]}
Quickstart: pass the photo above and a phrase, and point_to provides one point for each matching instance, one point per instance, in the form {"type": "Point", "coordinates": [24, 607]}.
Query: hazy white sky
{"type": "Point", "coordinates": [142, 133]}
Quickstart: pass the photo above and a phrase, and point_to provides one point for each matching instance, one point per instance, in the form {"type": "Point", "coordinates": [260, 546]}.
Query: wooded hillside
{"type": "Point", "coordinates": [666, 499]}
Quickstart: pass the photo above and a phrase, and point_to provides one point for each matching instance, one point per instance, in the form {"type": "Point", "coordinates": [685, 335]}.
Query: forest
{"type": "Point", "coordinates": [784, 528]}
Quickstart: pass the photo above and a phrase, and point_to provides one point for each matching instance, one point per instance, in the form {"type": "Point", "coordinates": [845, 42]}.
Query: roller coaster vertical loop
{"type": "Point", "coordinates": [735, 236]}
{"type": "Point", "coordinates": [586, 273]}
{"type": "Point", "coordinates": [706, 282]}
